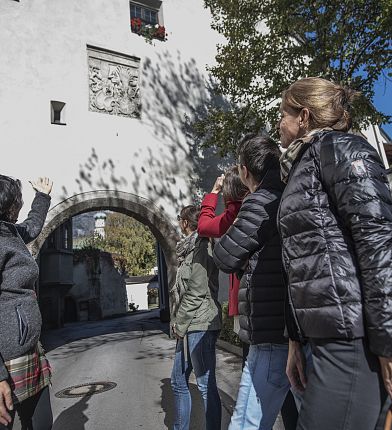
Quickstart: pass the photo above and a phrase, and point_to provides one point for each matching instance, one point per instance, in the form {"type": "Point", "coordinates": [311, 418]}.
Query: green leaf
{"type": "Point", "coordinates": [348, 41]}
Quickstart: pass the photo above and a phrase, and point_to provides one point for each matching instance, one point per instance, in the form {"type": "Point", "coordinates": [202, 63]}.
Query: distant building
{"type": "Point", "coordinates": [100, 222]}
{"type": "Point", "coordinates": [143, 291]}
{"type": "Point", "coordinates": [380, 140]}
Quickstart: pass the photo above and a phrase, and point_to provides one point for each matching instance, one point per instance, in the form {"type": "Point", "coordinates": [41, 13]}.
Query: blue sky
{"type": "Point", "coordinates": [383, 100]}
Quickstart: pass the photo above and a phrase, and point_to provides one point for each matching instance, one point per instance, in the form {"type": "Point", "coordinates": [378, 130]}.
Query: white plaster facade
{"type": "Point", "coordinates": [374, 136]}
{"type": "Point", "coordinates": [44, 50]}
{"type": "Point", "coordinates": [44, 58]}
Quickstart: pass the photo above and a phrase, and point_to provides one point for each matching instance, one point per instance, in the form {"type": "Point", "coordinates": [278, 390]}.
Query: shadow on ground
{"type": "Point", "coordinates": [87, 335]}
{"type": "Point", "coordinates": [74, 417]}
{"type": "Point", "coordinates": [66, 343]}
{"type": "Point", "coordinates": [197, 415]}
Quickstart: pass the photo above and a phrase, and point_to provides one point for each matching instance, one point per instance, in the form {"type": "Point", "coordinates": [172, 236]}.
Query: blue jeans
{"type": "Point", "coordinates": [201, 358]}
{"type": "Point", "coordinates": [263, 388]}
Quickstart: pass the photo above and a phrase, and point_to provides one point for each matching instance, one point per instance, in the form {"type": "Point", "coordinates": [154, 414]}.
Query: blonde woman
{"type": "Point", "coordinates": [335, 222]}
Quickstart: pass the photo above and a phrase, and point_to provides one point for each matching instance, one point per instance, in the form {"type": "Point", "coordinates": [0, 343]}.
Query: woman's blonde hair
{"type": "Point", "coordinates": [329, 104]}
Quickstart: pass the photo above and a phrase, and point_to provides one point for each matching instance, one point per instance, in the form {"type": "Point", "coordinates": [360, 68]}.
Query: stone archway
{"type": "Point", "coordinates": [143, 210]}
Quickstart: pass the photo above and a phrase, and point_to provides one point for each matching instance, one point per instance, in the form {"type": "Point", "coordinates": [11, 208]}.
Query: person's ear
{"type": "Point", "coordinates": [246, 172]}
{"type": "Point", "coordinates": [304, 117]}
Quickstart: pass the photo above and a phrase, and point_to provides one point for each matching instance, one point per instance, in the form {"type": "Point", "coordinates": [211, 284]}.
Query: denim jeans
{"type": "Point", "coordinates": [263, 388]}
{"type": "Point", "coordinates": [201, 358]}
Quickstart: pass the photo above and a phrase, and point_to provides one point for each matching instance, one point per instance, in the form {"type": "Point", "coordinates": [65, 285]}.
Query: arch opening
{"type": "Point", "coordinates": [142, 210]}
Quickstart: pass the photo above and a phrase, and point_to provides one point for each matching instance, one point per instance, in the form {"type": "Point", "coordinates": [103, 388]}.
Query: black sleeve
{"type": "Point", "coordinates": [244, 236]}
{"type": "Point", "coordinates": [358, 188]}
{"type": "Point", "coordinates": [31, 227]}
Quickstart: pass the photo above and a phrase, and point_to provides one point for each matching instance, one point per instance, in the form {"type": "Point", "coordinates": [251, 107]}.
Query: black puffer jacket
{"type": "Point", "coordinates": [252, 244]}
{"type": "Point", "coordinates": [336, 227]}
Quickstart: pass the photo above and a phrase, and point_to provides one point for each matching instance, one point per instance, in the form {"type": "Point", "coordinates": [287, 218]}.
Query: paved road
{"type": "Point", "coordinates": [134, 352]}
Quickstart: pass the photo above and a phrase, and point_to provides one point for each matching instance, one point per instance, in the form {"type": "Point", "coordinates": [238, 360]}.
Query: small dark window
{"type": "Point", "coordinates": [65, 232]}
{"type": "Point", "coordinates": [56, 116]}
{"type": "Point", "coordinates": [52, 240]}
{"type": "Point", "coordinates": [57, 112]}
{"type": "Point", "coordinates": [66, 238]}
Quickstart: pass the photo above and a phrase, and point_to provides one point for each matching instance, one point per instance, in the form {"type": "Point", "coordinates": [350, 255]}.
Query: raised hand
{"type": "Point", "coordinates": [43, 185]}
{"type": "Point", "coordinates": [217, 188]}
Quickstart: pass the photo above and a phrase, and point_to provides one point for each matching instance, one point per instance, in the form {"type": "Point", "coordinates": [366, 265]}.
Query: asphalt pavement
{"type": "Point", "coordinates": [136, 353]}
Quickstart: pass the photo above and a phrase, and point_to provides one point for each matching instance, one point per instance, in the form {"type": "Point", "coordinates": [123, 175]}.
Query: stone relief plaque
{"type": "Point", "coordinates": [113, 83]}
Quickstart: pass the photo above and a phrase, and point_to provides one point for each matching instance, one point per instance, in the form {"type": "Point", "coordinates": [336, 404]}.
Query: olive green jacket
{"type": "Point", "coordinates": [197, 275]}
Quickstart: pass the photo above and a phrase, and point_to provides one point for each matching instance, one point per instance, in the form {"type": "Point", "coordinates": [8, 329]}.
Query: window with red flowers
{"type": "Point", "coordinates": [147, 19]}
{"type": "Point", "coordinates": [146, 15]}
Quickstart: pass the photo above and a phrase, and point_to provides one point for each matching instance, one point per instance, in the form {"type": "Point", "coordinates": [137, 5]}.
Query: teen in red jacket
{"type": "Point", "coordinates": [212, 225]}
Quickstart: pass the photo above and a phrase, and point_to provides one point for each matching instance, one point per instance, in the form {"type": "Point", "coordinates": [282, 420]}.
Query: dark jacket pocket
{"type": "Point", "coordinates": [22, 324]}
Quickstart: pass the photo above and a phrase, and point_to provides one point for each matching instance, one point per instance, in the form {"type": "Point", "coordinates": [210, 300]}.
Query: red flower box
{"type": "Point", "coordinates": [147, 30]}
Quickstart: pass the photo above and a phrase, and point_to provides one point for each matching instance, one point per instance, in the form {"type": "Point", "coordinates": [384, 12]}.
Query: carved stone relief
{"type": "Point", "coordinates": [113, 83]}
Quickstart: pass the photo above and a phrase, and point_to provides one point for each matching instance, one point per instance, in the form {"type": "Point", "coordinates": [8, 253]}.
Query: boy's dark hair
{"type": "Point", "coordinates": [191, 214]}
{"type": "Point", "coordinates": [233, 189]}
{"type": "Point", "coordinates": [258, 154]}
{"type": "Point", "coordinates": [10, 198]}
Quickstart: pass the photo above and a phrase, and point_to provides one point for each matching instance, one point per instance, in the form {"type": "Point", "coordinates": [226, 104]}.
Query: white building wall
{"type": "Point", "coordinates": [375, 138]}
{"type": "Point", "coordinates": [45, 58]}
{"type": "Point", "coordinates": [137, 294]}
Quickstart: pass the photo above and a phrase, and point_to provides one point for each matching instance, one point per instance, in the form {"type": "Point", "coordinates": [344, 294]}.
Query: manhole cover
{"type": "Point", "coordinates": [84, 390]}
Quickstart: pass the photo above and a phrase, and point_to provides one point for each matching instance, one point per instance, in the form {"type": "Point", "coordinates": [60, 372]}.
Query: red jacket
{"type": "Point", "coordinates": [212, 225]}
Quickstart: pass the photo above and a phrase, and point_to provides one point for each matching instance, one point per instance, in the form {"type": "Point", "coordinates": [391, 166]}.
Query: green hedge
{"type": "Point", "coordinates": [227, 332]}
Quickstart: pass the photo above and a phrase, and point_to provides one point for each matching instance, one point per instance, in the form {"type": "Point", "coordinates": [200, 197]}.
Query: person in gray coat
{"type": "Point", "coordinates": [24, 369]}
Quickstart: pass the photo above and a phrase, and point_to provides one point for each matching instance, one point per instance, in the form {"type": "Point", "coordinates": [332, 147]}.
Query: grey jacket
{"type": "Point", "coordinates": [20, 317]}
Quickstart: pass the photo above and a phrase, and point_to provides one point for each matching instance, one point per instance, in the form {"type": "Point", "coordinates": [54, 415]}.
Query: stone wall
{"type": "Point", "coordinates": [113, 291]}
{"type": "Point", "coordinates": [99, 289]}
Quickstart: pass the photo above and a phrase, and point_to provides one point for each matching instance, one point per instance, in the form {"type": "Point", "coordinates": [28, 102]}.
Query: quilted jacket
{"type": "Point", "coordinates": [252, 245]}
{"type": "Point", "coordinates": [335, 221]}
